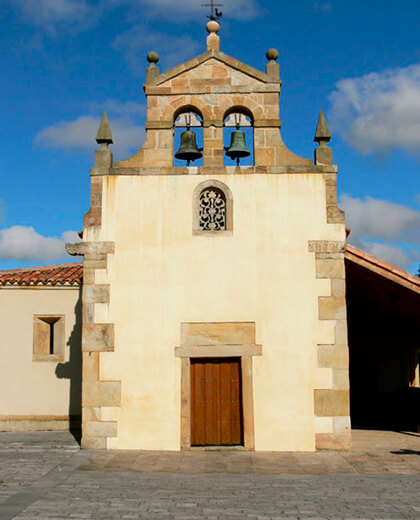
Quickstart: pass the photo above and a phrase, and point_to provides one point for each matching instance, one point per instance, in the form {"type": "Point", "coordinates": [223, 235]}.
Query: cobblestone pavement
{"type": "Point", "coordinates": [45, 476]}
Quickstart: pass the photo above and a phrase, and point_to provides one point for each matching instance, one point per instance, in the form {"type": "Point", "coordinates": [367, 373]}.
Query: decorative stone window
{"type": "Point", "coordinates": [212, 209]}
{"type": "Point", "coordinates": [49, 338]}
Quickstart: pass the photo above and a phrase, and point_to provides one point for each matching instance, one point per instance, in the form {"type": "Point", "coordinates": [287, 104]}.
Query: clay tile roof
{"type": "Point", "coordinates": [69, 275]}
{"type": "Point", "coordinates": [383, 268]}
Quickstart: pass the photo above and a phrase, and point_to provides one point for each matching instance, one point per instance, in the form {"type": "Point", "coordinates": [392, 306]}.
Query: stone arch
{"type": "Point", "coordinates": [244, 103]}
{"type": "Point", "coordinates": [239, 110]}
{"type": "Point", "coordinates": [186, 108]}
{"type": "Point", "coordinates": [179, 104]}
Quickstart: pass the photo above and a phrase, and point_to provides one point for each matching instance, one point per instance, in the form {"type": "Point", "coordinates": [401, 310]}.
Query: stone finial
{"type": "Point", "coordinates": [322, 132]}
{"type": "Point", "coordinates": [103, 156]}
{"type": "Point", "coordinates": [272, 69]}
{"type": "Point", "coordinates": [213, 40]}
{"type": "Point", "coordinates": [152, 70]}
{"type": "Point", "coordinates": [104, 135]}
{"type": "Point", "coordinates": [323, 154]}
{"type": "Point", "coordinates": [213, 26]}
{"type": "Point", "coordinates": [272, 55]}
{"type": "Point", "coordinates": [153, 58]}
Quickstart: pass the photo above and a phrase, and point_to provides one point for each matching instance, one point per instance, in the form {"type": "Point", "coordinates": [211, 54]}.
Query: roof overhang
{"type": "Point", "coordinates": [382, 268]}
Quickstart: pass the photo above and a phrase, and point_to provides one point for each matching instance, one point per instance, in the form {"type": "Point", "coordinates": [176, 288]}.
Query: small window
{"type": "Point", "coordinates": [48, 338]}
{"type": "Point", "coordinates": [212, 209]}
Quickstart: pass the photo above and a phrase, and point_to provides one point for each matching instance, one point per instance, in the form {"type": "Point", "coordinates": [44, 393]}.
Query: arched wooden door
{"type": "Point", "coordinates": [216, 402]}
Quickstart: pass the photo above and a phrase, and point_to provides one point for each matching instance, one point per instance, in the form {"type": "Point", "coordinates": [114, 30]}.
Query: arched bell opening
{"type": "Point", "coordinates": [188, 137]}
{"type": "Point", "coordinates": [238, 137]}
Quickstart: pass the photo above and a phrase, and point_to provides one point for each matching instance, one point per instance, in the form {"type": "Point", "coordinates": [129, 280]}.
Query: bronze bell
{"type": "Point", "coordinates": [237, 148]}
{"type": "Point", "coordinates": [188, 151]}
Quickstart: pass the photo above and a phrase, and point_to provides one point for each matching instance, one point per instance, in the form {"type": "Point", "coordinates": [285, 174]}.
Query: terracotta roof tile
{"type": "Point", "coordinates": [385, 268]}
{"type": "Point", "coordinates": [49, 275]}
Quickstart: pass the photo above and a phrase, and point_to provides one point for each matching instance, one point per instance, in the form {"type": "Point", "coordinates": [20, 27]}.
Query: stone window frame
{"type": "Point", "coordinates": [224, 188]}
{"type": "Point", "coordinates": [41, 342]}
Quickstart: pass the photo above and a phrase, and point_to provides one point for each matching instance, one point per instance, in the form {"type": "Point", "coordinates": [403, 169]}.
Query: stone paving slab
{"type": "Point", "coordinates": [373, 453]}
{"type": "Point", "coordinates": [46, 476]}
{"type": "Point", "coordinates": [27, 457]}
{"type": "Point", "coordinates": [108, 496]}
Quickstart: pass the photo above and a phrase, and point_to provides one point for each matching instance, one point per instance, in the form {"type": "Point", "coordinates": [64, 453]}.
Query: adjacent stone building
{"type": "Point", "coordinates": [40, 331]}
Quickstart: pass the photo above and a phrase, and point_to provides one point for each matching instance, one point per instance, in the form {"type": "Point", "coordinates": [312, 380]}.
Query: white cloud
{"type": "Point", "coordinates": [177, 11]}
{"type": "Point", "coordinates": [324, 7]}
{"type": "Point", "coordinates": [81, 132]}
{"type": "Point", "coordinates": [370, 217]}
{"type": "Point", "coordinates": [49, 13]}
{"type": "Point", "coordinates": [24, 243]}
{"type": "Point", "coordinates": [119, 109]}
{"type": "Point", "coordinates": [379, 112]}
{"type": "Point", "coordinates": [138, 41]}
{"type": "Point", "coordinates": [70, 237]}
{"type": "Point", "coordinates": [373, 221]}
{"type": "Point", "coordinates": [392, 254]}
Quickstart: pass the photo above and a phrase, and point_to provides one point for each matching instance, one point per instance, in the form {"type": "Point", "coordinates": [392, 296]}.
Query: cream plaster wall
{"type": "Point", "coordinates": [161, 275]}
{"type": "Point", "coordinates": [33, 388]}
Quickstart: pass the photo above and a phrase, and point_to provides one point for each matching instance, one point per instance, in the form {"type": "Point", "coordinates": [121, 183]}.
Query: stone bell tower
{"type": "Point", "coordinates": [214, 292]}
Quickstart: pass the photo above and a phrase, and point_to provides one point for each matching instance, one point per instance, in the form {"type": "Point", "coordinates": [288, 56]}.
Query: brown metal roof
{"type": "Point", "coordinates": [48, 275]}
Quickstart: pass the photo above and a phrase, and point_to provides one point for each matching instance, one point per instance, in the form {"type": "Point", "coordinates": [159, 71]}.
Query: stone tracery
{"type": "Point", "coordinates": [212, 210]}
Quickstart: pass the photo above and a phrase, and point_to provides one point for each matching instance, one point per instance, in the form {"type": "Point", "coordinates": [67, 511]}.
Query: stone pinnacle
{"type": "Point", "coordinates": [322, 133]}
{"type": "Point", "coordinates": [104, 135]}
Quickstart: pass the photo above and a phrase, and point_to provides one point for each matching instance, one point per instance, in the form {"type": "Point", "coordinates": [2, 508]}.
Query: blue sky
{"type": "Point", "coordinates": [65, 61]}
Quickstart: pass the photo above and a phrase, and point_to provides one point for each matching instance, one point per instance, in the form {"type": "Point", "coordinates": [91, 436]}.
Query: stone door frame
{"type": "Point", "coordinates": [200, 340]}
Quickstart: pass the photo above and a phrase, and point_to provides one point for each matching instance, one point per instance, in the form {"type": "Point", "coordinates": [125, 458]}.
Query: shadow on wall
{"type": "Point", "coordinates": [72, 370]}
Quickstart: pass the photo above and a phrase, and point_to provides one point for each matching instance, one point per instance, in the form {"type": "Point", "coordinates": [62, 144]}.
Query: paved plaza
{"type": "Point", "coordinates": [44, 475]}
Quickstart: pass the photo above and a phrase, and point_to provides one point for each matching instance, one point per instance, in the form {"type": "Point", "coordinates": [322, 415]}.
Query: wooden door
{"type": "Point", "coordinates": [216, 402]}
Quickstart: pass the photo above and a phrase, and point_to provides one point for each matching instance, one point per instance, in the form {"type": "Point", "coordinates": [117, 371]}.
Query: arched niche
{"type": "Point", "coordinates": [241, 118]}
{"type": "Point", "coordinates": [188, 118]}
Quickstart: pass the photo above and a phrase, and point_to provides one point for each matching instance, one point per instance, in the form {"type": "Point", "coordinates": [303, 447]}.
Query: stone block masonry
{"type": "Point", "coordinates": [332, 405]}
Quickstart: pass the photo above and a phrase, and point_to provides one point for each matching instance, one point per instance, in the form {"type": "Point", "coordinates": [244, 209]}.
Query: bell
{"type": "Point", "coordinates": [237, 148]}
{"type": "Point", "coordinates": [188, 151]}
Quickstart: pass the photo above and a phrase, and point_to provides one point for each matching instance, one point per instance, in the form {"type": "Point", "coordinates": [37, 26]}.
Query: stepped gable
{"type": "Point", "coordinates": [49, 275]}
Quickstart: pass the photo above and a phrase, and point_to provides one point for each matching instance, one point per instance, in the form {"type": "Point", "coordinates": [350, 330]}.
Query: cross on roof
{"type": "Point", "coordinates": [215, 13]}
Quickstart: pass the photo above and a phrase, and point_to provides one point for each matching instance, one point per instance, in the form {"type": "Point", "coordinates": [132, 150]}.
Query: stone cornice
{"type": "Point", "coordinates": [227, 170]}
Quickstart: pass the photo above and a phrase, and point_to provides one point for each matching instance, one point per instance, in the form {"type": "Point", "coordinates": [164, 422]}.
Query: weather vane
{"type": "Point", "coordinates": [215, 13]}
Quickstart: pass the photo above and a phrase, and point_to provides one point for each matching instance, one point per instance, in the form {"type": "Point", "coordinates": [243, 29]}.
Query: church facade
{"type": "Point", "coordinates": [210, 292]}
